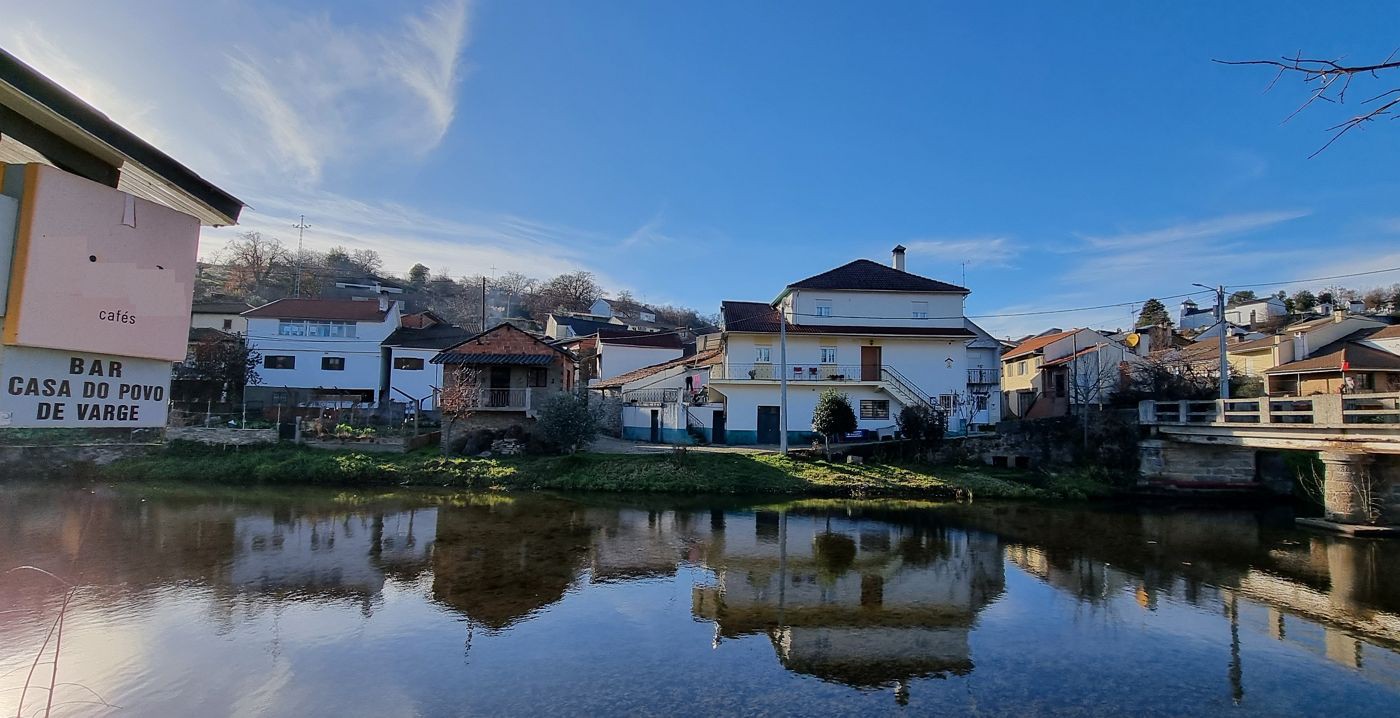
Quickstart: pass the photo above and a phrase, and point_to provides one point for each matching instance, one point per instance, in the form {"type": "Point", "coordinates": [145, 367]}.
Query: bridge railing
{"type": "Point", "coordinates": [1319, 410]}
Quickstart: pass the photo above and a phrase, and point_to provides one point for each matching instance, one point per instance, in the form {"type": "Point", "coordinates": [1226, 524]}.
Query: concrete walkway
{"type": "Point", "coordinates": [612, 445]}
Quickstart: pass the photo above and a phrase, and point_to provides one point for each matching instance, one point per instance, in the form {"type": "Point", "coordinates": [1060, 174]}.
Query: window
{"type": "Point", "coordinates": [920, 310]}
{"type": "Point", "coordinates": [763, 354]}
{"type": "Point", "coordinates": [332, 363]}
{"type": "Point", "coordinates": [828, 355]}
{"type": "Point", "coordinates": [979, 402]}
{"type": "Point", "coordinates": [874, 409]}
{"type": "Point", "coordinates": [299, 328]}
{"type": "Point", "coordinates": [945, 402]}
{"type": "Point", "coordinates": [279, 397]}
{"type": "Point", "coordinates": [279, 362]}
{"type": "Point", "coordinates": [408, 363]}
{"type": "Point", "coordinates": [228, 324]}
{"type": "Point", "coordinates": [537, 378]}
{"type": "Point", "coordinates": [823, 307]}
{"type": "Point", "coordinates": [1021, 368]}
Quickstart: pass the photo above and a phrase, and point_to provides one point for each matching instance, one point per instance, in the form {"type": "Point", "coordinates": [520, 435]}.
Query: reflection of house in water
{"type": "Point", "coordinates": [500, 561]}
{"type": "Point", "coordinates": [631, 544]}
{"type": "Point", "coordinates": [864, 603]}
{"type": "Point", "coordinates": [330, 554]}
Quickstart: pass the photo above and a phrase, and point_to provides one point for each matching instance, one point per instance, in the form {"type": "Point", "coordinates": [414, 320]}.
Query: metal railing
{"type": "Point", "coordinates": [796, 372]}
{"type": "Point", "coordinates": [983, 376]}
{"type": "Point", "coordinates": [503, 399]}
{"type": "Point", "coordinates": [651, 397]}
{"type": "Point", "coordinates": [1320, 410]}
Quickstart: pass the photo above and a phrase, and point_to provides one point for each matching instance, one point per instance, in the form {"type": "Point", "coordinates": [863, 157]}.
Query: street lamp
{"type": "Point", "coordinates": [1220, 321]}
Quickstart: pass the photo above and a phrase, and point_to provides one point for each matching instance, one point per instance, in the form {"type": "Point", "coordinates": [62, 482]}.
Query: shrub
{"type": "Point", "coordinates": [922, 423]}
{"type": "Point", "coordinates": [567, 421]}
{"type": "Point", "coordinates": [608, 414]}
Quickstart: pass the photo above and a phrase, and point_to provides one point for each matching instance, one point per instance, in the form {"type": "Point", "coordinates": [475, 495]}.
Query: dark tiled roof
{"type": "Point", "coordinates": [758, 317]}
{"type": "Point", "coordinates": [866, 275]}
{"type": "Point", "coordinates": [437, 336]}
{"type": "Point", "coordinates": [494, 359]}
{"type": "Point", "coordinates": [205, 335]}
{"type": "Point", "coordinates": [347, 310]}
{"type": "Point", "coordinates": [220, 307]}
{"type": "Point", "coordinates": [583, 326]}
{"type": "Point", "coordinates": [705, 358]}
{"type": "Point", "coordinates": [1392, 332]}
{"type": "Point", "coordinates": [667, 340]}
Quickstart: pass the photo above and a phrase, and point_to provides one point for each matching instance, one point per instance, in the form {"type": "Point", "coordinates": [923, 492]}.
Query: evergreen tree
{"type": "Point", "coordinates": [1304, 301]}
{"type": "Point", "coordinates": [1153, 313]}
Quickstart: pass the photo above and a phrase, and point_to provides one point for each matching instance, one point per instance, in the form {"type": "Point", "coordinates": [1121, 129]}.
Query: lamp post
{"type": "Point", "coordinates": [1224, 357]}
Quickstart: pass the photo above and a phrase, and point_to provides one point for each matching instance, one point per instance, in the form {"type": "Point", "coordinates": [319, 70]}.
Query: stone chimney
{"type": "Point", "coordinates": [1338, 314]}
{"type": "Point", "coordinates": [897, 258]}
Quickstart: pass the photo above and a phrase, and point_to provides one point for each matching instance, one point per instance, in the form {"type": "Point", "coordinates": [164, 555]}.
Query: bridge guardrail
{"type": "Point", "coordinates": [1318, 410]}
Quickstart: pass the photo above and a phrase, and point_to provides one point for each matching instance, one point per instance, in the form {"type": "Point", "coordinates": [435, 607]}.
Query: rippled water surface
{"type": "Point", "coordinates": [301, 603]}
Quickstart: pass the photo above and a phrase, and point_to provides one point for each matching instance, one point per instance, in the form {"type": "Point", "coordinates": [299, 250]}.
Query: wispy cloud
{"type": "Point", "coordinates": [984, 251]}
{"type": "Point", "coordinates": [1229, 225]}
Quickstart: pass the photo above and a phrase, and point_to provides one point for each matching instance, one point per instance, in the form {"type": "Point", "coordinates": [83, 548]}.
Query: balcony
{"type": "Point", "coordinates": [652, 397]}
{"type": "Point", "coordinates": [796, 372]}
{"type": "Point", "coordinates": [983, 377]}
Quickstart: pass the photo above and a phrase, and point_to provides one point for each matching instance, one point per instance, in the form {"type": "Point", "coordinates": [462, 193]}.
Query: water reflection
{"type": "Point", "coordinates": [875, 597]}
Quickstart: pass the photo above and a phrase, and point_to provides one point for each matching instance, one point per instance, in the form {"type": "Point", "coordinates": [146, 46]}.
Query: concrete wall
{"type": "Point", "coordinates": [417, 383]}
{"type": "Point", "coordinates": [361, 355]}
{"type": "Point", "coordinates": [894, 309]}
{"type": "Point", "coordinates": [216, 321]}
{"type": "Point", "coordinates": [1183, 465]}
{"type": "Point", "coordinates": [618, 359]}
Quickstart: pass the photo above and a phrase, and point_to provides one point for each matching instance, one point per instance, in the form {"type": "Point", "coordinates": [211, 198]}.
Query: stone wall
{"type": "Point", "coordinates": [1182, 465]}
{"type": "Point", "coordinates": [1053, 442]}
{"type": "Point", "coordinates": [221, 435]}
{"type": "Point", "coordinates": [65, 462]}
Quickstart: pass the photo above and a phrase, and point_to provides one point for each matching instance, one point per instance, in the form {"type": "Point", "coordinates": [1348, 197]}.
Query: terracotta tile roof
{"type": "Point", "coordinates": [344, 310]}
{"type": "Point", "coordinates": [1390, 332]}
{"type": "Point", "coordinates": [227, 306]}
{"type": "Point", "coordinates": [762, 318]}
{"type": "Point", "coordinates": [865, 275]}
{"type": "Point", "coordinates": [1035, 344]}
{"type": "Point", "coordinates": [705, 358]}
{"type": "Point", "coordinates": [1357, 357]}
{"type": "Point", "coordinates": [478, 345]}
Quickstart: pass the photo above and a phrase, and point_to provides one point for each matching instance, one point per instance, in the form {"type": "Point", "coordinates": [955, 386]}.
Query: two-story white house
{"type": "Point", "coordinates": [408, 374]}
{"type": "Point", "coordinates": [320, 352]}
{"type": "Point", "coordinates": [883, 336]}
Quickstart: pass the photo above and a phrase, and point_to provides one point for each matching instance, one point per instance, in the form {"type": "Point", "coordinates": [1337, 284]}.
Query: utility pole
{"type": "Point", "coordinates": [301, 226]}
{"type": "Point", "coordinates": [483, 304]}
{"type": "Point", "coordinates": [782, 381]}
{"type": "Point", "coordinates": [1224, 355]}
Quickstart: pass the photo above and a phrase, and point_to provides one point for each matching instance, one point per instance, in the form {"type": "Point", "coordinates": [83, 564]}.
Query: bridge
{"type": "Point", "coordinates": [1233, 443]}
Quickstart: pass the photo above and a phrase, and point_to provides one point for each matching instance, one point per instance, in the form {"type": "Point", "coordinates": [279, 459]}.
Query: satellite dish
{"type": "Point", "coordinates": [1133, 340]}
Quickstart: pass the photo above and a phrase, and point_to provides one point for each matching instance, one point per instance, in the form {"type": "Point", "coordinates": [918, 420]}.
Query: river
{"type": "Point", "coordinates": [185, 601]}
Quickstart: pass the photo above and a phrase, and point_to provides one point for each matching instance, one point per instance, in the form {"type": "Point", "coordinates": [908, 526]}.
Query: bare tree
{"type": "Point", "coordinates": [458, 400]}
{"type": "Point", "coordinates": [1328, 81]}
{"type": "Point", "coordinates": [252, 261]}
{"type": "Point", "coordinates": [366, 261]}
{"type": "Point", "coordinates": [574, 291]}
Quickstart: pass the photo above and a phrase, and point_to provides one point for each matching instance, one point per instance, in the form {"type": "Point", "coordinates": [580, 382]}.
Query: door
{"type": "Point", "coordinates": [717, 433]}
{"type": "Point", "coordinates": [498, 394]}
{"type": "Point", "coordinates": [870, 364]}
{"type": "Point", "coordinates": [655, 426]}
{"type": "Point", "coordinates": [768, 425]}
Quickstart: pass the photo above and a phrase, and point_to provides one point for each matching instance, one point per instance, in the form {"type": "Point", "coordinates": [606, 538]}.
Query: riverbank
{"type": "Point", "coordinates": [691, 473]}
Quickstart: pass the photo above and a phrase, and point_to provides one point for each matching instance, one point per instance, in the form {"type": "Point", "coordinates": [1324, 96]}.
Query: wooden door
{"type": "Point", "coordinates": [655, 426]}
{"type": "Point", "coordinates": [870, 363]}
{"type": "Point", "coordinates": [717, 433]}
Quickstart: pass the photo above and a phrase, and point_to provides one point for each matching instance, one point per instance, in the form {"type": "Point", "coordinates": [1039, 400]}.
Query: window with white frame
{"type": "Point", "coordinates": [763, 354]}
{"type": "Point", "coordinates": [828, 355]}
{"type": "Point", "coordinates": [920, 310]}
{"type": "Point", "coordinates": [315, 328]}
{"type": "Point", "coordinates": [823, 307]}
{"type": "Point", "coordinates": [874, 409]}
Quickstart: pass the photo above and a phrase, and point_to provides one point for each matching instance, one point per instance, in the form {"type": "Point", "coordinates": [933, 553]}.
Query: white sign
{"type": "Point", "coordinates": [50, 388]}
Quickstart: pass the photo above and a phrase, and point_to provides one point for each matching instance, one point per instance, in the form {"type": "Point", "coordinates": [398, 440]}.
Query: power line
{"type": "Point", "coordinates": [1314, 279]}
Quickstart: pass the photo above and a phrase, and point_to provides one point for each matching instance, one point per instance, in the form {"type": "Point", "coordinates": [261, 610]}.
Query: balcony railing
{"type": "Point", "coordinates": [1321, 410]}
{"type": "Point", "coordinates": [796, 372]}
{"type": "Point", "coordinates": [983, 376]}
{"type": "Point", "coordinates": [503, 399]}
{"type": "Point", "coordinates": [652, 397]}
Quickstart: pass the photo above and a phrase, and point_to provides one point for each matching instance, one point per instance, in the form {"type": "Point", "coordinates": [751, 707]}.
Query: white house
{"type": "Point", "coordinates": [320, 352]}
{"type": "Point", "coordinates": [604, 354]}
{"type": "Point", "coordinates": [1255, 311]}
{"type": "Point", "coordinates": [1193, 317]}
{"type": "Point", "coordinates": [883, 336]}
{"type": "Point", "coordinates": [222, 313]}
{"type": "Point", "coordinates": [407, 355]}
{"type": "Point", "coordinates": [667, 402]}
{"type": "Point", "coordinates": [1053, 372]}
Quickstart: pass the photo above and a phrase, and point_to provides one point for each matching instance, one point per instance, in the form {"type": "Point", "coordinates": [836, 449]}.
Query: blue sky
{"type": "Point", "coordinates": [1072, 153]}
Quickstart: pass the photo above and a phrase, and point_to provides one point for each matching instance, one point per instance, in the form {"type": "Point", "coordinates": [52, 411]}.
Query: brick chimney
{"type": "Point", "coordinates": [897, 259]}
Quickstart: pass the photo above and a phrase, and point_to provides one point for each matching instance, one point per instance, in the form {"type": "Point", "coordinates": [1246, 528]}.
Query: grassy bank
{"type": "Point", "coordinates": [695, 473]}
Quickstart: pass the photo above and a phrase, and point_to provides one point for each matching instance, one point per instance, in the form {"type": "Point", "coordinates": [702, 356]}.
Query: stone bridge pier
{"type": "Point", "coordinates": [1357, 487]}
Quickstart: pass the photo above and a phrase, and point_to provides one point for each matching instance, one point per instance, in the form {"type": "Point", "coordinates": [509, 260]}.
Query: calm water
{"type": "Point", "coordinates": [310, 603]}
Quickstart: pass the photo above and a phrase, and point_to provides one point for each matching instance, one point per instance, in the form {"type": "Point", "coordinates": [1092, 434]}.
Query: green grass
{"type": "Point", "coordinates": [695, 473]}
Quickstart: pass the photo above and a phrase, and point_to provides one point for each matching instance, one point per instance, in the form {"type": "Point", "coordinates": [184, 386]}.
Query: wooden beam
{"type": "Point", "coordinates": [62, 153]}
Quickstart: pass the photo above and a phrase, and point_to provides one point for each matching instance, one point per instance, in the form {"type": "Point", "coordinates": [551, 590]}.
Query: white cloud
{"type": "Point", "coordinates": [985, 251]}
{"type": "Point", "coordinates": [276, 103]}
{"type": "Point", "coordinates": [1194, 231]}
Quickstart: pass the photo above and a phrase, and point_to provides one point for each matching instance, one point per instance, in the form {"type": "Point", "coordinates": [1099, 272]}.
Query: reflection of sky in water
{"type": "Point", "coordinates": [310, 605]}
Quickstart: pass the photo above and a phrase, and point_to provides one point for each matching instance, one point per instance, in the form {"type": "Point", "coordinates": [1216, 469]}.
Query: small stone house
{"type": "Point", "coordinates": [510, 371]}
